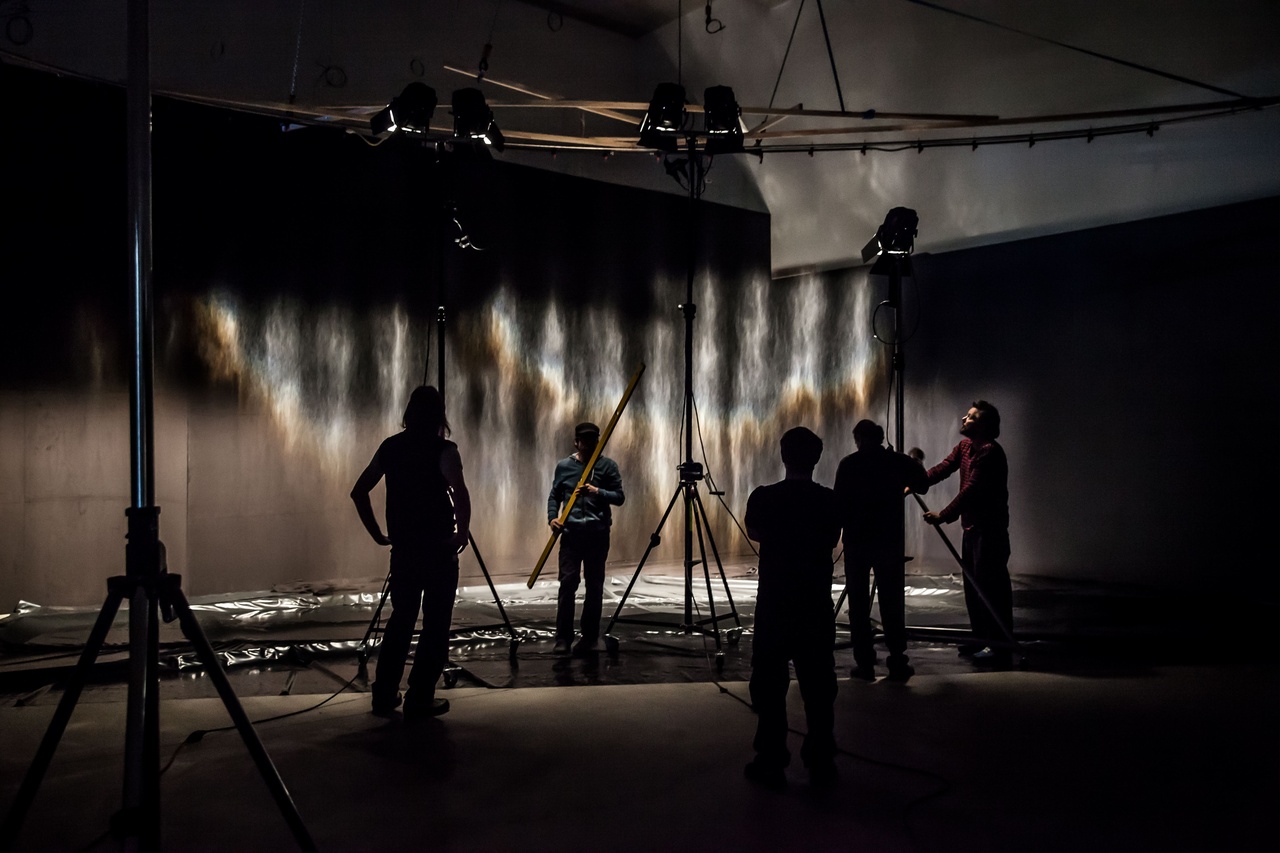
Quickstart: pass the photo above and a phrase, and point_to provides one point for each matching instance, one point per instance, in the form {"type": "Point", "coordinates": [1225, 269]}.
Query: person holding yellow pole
{"type": "Point", "coordinates": [584, 536]}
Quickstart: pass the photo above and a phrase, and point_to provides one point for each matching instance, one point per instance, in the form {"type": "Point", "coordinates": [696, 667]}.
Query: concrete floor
{"type": "Point", "coordinates": [1077, 751]}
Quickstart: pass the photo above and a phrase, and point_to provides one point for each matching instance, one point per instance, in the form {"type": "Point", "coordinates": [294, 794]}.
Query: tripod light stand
{"type": "Point", "coordinates": [663, 128]}
{"type": "Point", "coordinates": [473, 124]}
{"type": "Point", "coordinates": [892, 245]}
{"type": "Point", "coordinates": [146, 584]}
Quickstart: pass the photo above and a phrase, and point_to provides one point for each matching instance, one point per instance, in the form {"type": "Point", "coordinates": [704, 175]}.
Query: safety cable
{"type": "Point", "coordinates": [835, 75]}
{"type": "Point", "coordinates": [488, 44]}
{"type": "Point", "coordinates": [714, 25]}
{"type": "Point", "coordinates": [1126, 63]}
{"type": "Point", "coordinates": [297, 52]}
{"type": "Point", "coordinates": [782, 67]}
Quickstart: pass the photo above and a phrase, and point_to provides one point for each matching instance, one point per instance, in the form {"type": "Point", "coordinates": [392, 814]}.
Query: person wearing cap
{"type": "Point", "coordinates": [797, 523]}
{"type": "Point", "coordinates": [584, 536]}
{"type": "Point", "coordinates": [870, 484]}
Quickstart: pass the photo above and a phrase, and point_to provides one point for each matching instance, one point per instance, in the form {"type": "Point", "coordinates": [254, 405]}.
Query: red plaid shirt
{"type": "Point", "coordinates": [983, 499]}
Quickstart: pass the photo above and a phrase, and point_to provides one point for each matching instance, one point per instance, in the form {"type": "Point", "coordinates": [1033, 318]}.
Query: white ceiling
{"type": "Point", "coordinates": [890, 55]}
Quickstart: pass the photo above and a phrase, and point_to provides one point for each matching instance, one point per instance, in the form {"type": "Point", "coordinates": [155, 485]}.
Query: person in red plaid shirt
{"type": "Point", "coordinates": [982, 506]}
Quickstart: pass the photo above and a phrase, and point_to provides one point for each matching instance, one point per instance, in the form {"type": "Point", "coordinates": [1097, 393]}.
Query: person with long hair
{"type": "Point", "coordinates": [428, 524]}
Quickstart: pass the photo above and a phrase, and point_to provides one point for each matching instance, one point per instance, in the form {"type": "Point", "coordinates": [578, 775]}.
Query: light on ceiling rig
{"type": "Point", "coordinates": [410, 111]}
{"type": "Point", "coordinates": [723, 120]}
{"type": "Point", "coordinates": [473, 120]}
{"type": "Point", "coordinates": [663, 125]}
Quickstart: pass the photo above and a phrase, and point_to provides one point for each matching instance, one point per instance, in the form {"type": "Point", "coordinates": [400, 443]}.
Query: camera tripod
{"type": "Point", "coordinates": [695, 514]}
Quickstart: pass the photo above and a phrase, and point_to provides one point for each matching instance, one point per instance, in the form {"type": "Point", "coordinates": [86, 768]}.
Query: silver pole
{"type": "Point", "coordinates": [141, 771]}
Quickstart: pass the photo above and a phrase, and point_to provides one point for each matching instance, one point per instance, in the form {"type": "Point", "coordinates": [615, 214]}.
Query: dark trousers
{"type": "Point", "coordinates": [423, 579]}
{"type": "Point", "coordinates": [805, 639]}
{"type": "Point", "coordinates": [887, 563]}
{"type": "Point", "coordinates": [986, 556]}
{"type": "Point", "coordinates": [582, 552]}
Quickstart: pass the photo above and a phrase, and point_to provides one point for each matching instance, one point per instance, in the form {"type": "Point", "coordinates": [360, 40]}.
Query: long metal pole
{"type": "Point", "coordinates": [690, 310]}
{"type": "Point", "coordinates": [899, 366]}
{"type": "Point", "coordinates": [141, 770]}
{"type": "Point", "coordinates": [138, 112]}
{"type": "Point", "coordinates": [441, 289]}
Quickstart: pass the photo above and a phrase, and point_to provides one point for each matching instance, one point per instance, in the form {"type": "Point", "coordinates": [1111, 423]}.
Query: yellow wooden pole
{"type": "Point", "coordinates": [587, 470]}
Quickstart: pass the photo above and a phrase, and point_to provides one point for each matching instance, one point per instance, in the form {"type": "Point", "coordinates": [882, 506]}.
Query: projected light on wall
{"type": "Point", "coordinates": [523, 370]}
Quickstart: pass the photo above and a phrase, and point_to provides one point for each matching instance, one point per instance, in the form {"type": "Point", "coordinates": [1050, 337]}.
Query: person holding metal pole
{"type": "Point", "coordinates": [982, 506]}
{"type": "Point", "coordinates": [428, 524]}
{"type": "Point", "coordinates": [584, 536]}
{"type": "Point", "coordinates": [870, 484]}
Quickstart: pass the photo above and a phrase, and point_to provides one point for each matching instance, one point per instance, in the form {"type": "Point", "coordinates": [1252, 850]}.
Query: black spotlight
{"type": "Point", "coordinates": [723, 120]}
{"type": "Point", "coordinates": [410, 111]}
{"type": "Point", "coordinates": [896, 236]}
{"type": "Point", "coordinates": [473, 120]}
{"type": "Point", "coordinates": [663, 124]}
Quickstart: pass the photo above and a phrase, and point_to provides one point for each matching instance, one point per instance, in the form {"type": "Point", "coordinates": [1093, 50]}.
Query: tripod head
{"type": "Point", "coordinates": [690, 472]}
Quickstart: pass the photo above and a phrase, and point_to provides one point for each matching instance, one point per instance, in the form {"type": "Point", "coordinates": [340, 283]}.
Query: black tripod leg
{"type": "Point", "coordinates": [195, 635]}
{"type": "Point", "coordinates": [489, 580]}
{"type": "Point", "coordinates": [654, 539]}
{"type": "Point", "coordinates": [139, 820]}
{"type": "Point", "coordinates": [17, 814]}
{"type": "Point", "coordinates": [363, 654]}
{"type": "Point", "coordinates": [706, 573]}
{"type": "Point", "coordinates": [706, 523]}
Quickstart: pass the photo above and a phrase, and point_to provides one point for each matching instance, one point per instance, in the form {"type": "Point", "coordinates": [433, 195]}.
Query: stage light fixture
{"type": "Point", "coordinates": [723, 120]}
{"type": "Point", "coordinates": [410, 111]}
{"type": "Point", "coordinates": [663, 125]}
{"type": "Point", "coordinates": [473, 120]}
{"type": "Point", "coordinates": [896, 236]}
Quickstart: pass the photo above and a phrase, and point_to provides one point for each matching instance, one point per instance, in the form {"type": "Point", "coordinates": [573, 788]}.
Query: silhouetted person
{"type": "Point", "coordinates": [982, 505]}
{"type": "Point", "coordinates": [797, 523]}
{"type": "Point", "coordinates": [428, 519]}
{"type": "Point", "coordinates": [870, 484]}
{"type": "Point", "coordinates": [584, 540]}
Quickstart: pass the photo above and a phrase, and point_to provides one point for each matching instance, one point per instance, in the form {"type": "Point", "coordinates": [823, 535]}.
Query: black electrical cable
{"type": "Point", "coordinates": [944, 784]}
{"type": "Point", "coordinates": [716, 490]}
{"type": "Point", "coordinates": [905, 338]}
{"type": "Point", "coordinates": [198, 735]}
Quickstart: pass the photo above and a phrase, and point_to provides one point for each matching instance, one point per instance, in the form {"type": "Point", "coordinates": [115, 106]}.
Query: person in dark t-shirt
{"type": "Point", "coordinates": [870, 485]}
{"type": "Point", "coordinates": [797, 523]}
{"type": "Point", "coordinates": [428, 523]}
